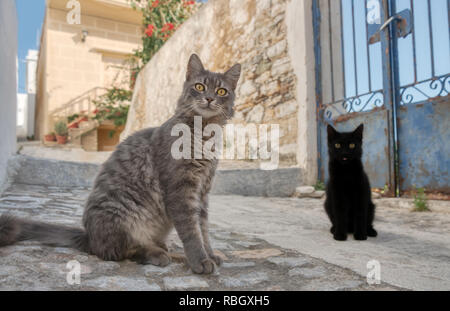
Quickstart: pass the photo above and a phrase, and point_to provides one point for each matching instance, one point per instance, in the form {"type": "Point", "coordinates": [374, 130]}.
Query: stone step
{"type": "Point", "coordinates": [248, 182]}
{"type": "Point", "coordinates": [48, 172]}
{"type": "Point", "coordinates": [255, 182]}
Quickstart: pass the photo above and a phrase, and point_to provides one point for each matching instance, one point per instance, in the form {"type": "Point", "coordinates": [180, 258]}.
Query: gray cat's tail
{"type": "Point", "coordinates": [14, 229]}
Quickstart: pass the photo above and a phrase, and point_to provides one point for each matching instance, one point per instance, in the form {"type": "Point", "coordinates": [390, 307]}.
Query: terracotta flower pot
{"type": "Point", "coordinates": [61, 139]}
{"type": "Point", "coordinates": [50, 137]}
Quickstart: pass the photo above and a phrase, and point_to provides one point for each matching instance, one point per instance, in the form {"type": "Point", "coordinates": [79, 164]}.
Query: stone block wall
{"type": "Point", "coordinates": [89, 141]}
{"type": "Point", "coordinates": [267, 88]}
{"type": "Point", "coordinates": [268, 41]}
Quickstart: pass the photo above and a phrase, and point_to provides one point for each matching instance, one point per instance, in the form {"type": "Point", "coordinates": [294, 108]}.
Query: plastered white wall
{"type": "Point", "coordinates": [8, 85]}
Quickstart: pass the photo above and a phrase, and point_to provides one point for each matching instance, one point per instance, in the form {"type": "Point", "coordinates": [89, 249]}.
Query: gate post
{"type": "Point", "coordinates": [389, 96]}
{"type": "Point", "coordinates": [299, 22]}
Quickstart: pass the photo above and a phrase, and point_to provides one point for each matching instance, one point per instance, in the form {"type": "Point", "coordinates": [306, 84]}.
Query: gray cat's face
{"type": "Point", "coordinates": [210, 94]}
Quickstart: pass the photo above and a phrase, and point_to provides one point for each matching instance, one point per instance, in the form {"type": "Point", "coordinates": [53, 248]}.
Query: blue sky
{"type": "Point", "coordinates": [30, 15]}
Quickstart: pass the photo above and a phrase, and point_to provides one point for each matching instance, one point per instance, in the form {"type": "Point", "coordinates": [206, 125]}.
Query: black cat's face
{"type": "Point", "coordinates": [345, 147]}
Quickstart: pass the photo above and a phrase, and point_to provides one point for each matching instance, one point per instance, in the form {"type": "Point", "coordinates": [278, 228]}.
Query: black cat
{"type": "Point", "coordinates": [348, 204]}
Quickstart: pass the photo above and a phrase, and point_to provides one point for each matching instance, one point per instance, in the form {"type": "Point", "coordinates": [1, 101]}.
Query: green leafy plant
{"type": "Point", "coordinates": [113, 106]}
{"type": "Point", "coordinates": [319, 186]}
{"type": "Point", "coordinates": [161, 18]}
{"type": "Point", "coordinates": [72, 117]}
{"type": "Point", "coordinates": [61, 128]}
{"type": "Point", "coordinates": [420, 200]}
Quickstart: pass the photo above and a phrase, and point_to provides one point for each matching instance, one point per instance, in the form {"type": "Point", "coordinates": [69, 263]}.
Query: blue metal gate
{"type": "Point", "coordinates": [386, 63]}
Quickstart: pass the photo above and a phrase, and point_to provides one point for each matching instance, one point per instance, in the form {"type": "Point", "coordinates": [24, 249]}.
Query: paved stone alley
{"type": "Point", "coordinates": [266, 243]}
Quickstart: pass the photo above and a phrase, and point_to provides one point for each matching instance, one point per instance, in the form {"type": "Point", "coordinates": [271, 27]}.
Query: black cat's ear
{"type": "Point", "coordinates": [358, 133]}
{"type": "Point", "coordinates": [331, 132]}
{"type": "Point", "coordinates": [233, 74]}
{"type": "Point", "coordinates": [195, 67]}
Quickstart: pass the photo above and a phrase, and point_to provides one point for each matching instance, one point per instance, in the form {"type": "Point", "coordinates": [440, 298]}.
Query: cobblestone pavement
{"type": "Point", "coordinates": [249, 263]}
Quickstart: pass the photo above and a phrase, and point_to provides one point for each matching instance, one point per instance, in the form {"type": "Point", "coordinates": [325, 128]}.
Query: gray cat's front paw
{"type": "Point", "coordinates": [217, 259]}
{"type": "Point", "coordinates": [206, 266]}
{"type": "Point", "coordinates": [160, 260]}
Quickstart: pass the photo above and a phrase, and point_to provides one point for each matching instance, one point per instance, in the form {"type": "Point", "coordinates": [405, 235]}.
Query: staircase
{"type": "Point", "coordinates": [82, 103]}
{"type": "Point", "coordinates": [84, 136]}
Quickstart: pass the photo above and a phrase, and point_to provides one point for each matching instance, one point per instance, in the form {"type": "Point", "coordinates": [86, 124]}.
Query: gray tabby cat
{"type": "Point", "coordinates": [142, 192]}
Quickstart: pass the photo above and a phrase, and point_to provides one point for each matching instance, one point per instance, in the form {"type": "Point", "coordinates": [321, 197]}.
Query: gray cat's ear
{"type": "Point", "coordinates": [233, 74]}
{"type": "Point", "coordinates": [195, 67]}
{"type": "Point", "coordinates": [331, 132]}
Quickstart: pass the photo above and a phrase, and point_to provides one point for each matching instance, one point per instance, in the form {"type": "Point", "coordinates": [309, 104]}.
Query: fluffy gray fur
{"type": "Point", "coordinates": [142, 192]}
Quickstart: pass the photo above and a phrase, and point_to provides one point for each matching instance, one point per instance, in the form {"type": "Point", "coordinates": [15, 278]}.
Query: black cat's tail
{"type": "Point", "coordinates": [14, 229]}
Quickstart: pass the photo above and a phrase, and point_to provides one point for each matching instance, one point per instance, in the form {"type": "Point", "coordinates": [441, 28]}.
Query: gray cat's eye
{"type": "Point", "coordinates": [200, 87]}
{"type": "Point", "coordinates": [221, 92]}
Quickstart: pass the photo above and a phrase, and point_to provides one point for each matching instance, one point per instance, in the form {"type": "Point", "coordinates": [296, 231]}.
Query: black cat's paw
{"type": "Point", "coordinates": [360, 237]}
{"type": "Point", "coordinates": [340, 237]}
{"type": "Point", "coordinates": [332, 230]}
{"type": "Point", "coordinates": [371, 232]}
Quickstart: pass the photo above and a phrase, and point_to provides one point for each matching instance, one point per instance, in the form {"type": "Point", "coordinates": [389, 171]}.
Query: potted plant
{"type": "Point", "coordinates": [50, 137]}
{"type": "Point", "coordinates": [112, 107]}
{"type": "Point", "coordinates": [61, 132]}
{"type": "Point", "coordinates": [75, 119]}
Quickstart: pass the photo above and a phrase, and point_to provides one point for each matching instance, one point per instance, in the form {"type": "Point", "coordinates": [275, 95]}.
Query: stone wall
{"type": "Point", "coordinates": [265, 39]}
{"type": "Point", "coordinates": [8, 85]}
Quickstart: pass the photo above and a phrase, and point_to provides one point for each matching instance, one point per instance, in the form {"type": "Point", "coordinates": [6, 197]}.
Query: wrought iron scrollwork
{"type": "Point", "coordinates": [426, 90]}
{"type": "Point", "coordinates": [362, 103]}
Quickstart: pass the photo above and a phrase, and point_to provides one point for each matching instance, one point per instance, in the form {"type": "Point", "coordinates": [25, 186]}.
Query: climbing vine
{"type": "Point", "coordinates": [161, 18]}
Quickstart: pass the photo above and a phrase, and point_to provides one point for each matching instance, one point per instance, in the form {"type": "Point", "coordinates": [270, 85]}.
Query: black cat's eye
{"type": "Point", "coordinates": [199, 87]}
{"type": "Point", "coordinates": [352, 146]}
{"type": "Point", "coordinates": [337, 146]}
{"type": "Point", "coordinates": [221, 92]}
